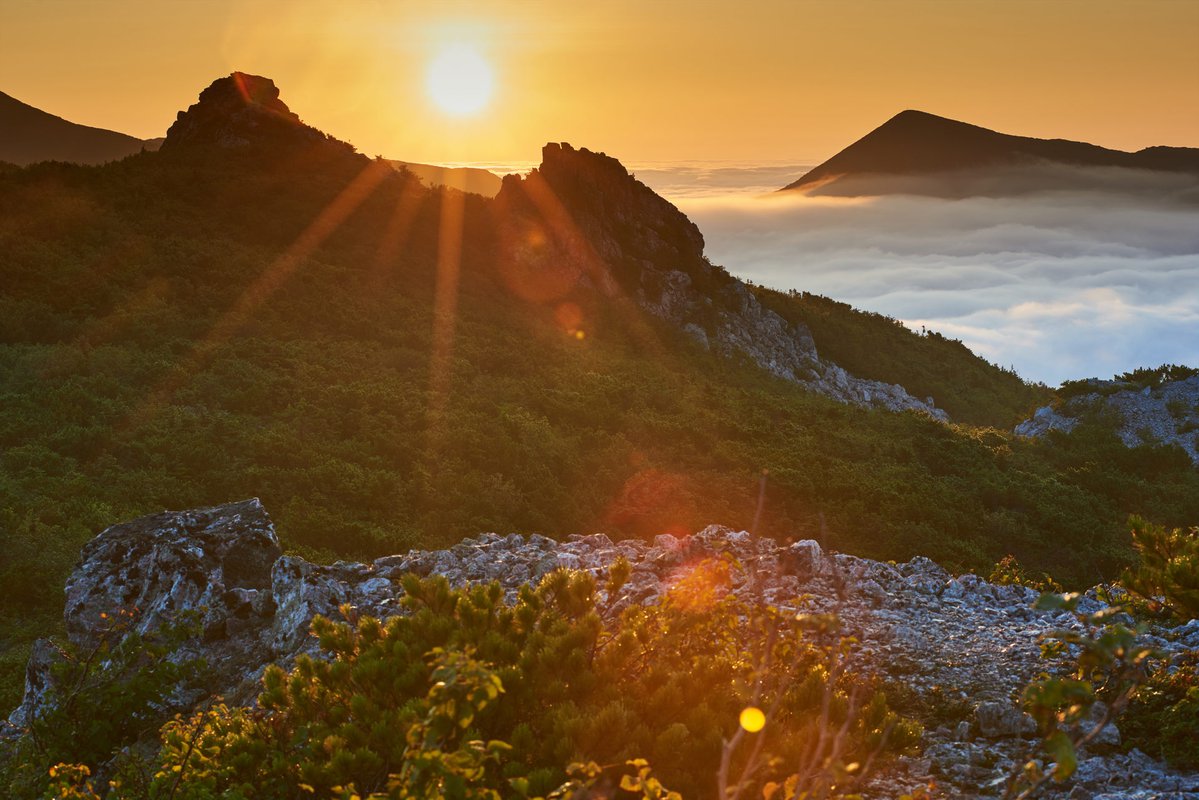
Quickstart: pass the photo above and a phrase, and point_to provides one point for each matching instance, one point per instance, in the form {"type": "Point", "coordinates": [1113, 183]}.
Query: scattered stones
{"type": "Point", "coordinates": [956, 640]}
{"type": "Point", "coordinates": [996, 720]}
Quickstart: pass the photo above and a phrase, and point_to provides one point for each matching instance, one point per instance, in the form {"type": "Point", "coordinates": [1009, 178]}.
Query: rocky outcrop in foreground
{"type": "Point", "coordinates": [1165, 414]}
{"type": "Point", "coordinates": [969, 643]}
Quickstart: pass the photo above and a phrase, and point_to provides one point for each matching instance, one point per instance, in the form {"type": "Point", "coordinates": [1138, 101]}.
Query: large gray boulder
{"type": "Point", "coordinates": [211, 560]}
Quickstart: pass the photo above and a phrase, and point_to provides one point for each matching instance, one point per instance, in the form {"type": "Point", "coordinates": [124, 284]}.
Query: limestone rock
{"type": "Point", "coordinates": [166, 563]}
{"type": "Point", "coordinates": [241, 112]}
{"type": "Point", "coordinates": [958, 640]}
{"type": "Point", "coordinates": [1165, 414]}
{"type": "Point", "coordinates": [1002, 719]}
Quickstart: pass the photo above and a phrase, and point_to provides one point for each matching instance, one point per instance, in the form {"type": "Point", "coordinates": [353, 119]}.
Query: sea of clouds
{"type": "Point", "coordinates": [1092, 281]}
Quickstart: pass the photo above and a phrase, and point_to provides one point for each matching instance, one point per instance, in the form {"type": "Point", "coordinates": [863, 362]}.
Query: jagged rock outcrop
{"type": "Point", "coordinates": [1165, 414]}
{"type": "Point", "coordinates": [967, 642]}
{"type": "Point", "coordinates": [240, 112]}
{"type": "Point", "coordinates": [579, 222]}
{"type": "Point", "coordinates": [596, 226]}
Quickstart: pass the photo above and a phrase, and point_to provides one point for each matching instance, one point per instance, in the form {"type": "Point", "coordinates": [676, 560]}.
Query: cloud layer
{"type": "Point", "coordinates": [1059, 285]}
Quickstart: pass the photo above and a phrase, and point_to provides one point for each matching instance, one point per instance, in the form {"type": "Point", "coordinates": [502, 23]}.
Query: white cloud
{"type": "Point", "coordinates": [1060, 285]}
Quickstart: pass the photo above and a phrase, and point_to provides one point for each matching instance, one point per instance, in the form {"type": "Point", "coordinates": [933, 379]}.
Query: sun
{"type": "Point", "coordinates": [459, 80]}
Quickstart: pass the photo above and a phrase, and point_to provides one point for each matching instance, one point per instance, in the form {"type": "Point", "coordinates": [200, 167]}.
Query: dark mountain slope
{"type": "Point", "coordinates": [914, 143]}
{"type": "Point", "coordinates": [28, 135]}
{"type": "Point", "coordinates": [390, 366]}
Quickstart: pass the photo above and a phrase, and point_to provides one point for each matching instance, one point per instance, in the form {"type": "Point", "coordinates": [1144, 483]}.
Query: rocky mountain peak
{"type": "Point", "coordinates": [599, 227]}
{"type": "Point", "coordinates": [237, 111]}
{"type": "Point", "coordinates": [630, 226]}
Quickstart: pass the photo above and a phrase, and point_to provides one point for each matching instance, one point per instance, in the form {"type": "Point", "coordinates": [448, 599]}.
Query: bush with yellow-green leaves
{"type": "Point", "coordinates": [469, 696]}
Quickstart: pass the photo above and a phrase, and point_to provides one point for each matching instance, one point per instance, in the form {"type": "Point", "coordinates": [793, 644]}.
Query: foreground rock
{"type": "Point", "coordinates": [962, 644]}
{"type": "Point", "coordinates": [1165, 414]}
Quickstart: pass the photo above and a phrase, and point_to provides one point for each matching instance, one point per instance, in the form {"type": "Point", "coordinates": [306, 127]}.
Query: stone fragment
{"type": "Point", "coordinates": [998, 719]}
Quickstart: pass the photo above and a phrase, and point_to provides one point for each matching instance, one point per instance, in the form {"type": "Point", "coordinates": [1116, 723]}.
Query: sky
{"type": "Point", "coordinates": [644, 80]}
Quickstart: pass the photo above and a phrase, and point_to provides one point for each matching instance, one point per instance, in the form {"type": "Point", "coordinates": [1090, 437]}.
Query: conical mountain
{"type": "Point", "coordinates": [915, 143]}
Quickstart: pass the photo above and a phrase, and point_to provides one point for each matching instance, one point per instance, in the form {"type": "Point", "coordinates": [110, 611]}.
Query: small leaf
{"type": "Point", "coordinates": [1059, 746]}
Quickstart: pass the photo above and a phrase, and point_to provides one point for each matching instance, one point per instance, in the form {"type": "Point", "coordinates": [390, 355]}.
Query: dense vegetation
{"type": "Point", "coordinates": [180, 330]}
{"type": "Point", "coordinates": [469, 696]}
{"type": "Point", "coordinates": [1140, 378]}
{"type": "Point", "coordinates": [927, 364]}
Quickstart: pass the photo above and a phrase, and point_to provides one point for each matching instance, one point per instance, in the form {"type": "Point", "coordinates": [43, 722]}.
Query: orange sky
{"type": "Point", "coordinates": [644, 80]}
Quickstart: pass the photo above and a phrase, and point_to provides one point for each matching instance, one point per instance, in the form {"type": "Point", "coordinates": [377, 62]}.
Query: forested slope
{"type": "Point", "coordinates": [201, 324]}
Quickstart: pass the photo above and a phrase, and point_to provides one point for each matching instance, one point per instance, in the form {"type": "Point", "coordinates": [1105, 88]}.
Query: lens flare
{"type": "Point", "coordinates": [752, 719]}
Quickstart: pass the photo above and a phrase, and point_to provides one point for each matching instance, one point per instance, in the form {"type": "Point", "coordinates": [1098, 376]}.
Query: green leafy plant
{"type": "Point", "coordinates": [467, 695]}
{"type": "Point", "coordinates": [1008, 571]}
{"type": "Point", "coordinates": [1163, 717]}
{"type": "Point", "coordinates": [101, 698]}
{"type": "Point", "coordinates": [1106, 661]}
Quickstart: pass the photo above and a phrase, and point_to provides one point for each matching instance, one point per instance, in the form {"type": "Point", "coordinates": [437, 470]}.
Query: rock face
{"type": "Point", "coordinates": [585, 210]}
{"type": "Point", "coordinates": [238, 112]}
{"type": "Point", "coordinates": [1165, 414]}
{"type": "Point", "coordinates": [959, 641]}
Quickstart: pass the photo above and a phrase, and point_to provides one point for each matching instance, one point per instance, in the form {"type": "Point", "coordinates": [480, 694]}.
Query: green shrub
{"type": "Point", "coordinates": [1167, 577]}
{"type": "Point", "coordinates": [101, 698]}
{"type": "Point", "coordinates": [1007, 571]}
{"type": "Point", "coordinates": [1163, 718]}
{"type": "Point", "coordinates": [1106, 661]}
{"type": "Point", "coordinates": [467, 696]}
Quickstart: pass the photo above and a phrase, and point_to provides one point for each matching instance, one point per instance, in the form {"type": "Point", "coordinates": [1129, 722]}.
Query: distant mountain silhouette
{"type": "Point", "coordinates": [29, 135]}
{"type": "Point", "coordinates": [466, 179]}
{"type": "Point", "coordinates": [968, 159]}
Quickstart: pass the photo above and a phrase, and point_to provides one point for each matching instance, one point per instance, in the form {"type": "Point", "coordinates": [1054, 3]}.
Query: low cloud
{"type": "Point", "coordinates": [1060, 285]}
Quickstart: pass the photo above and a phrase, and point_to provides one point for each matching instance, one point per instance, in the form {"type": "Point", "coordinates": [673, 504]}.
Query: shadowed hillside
{"type": "Point", "coordinates": [915, 143]}
{"type": "Point", "coordinates": [28, 135]}
{"type": "Point", "coordinates": [465, 179]}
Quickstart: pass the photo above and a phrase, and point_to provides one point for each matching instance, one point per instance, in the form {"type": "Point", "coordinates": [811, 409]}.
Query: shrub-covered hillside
{"type": "Point", "coordinates": [927, 364]}
{"type": "Point", "coordinates": [197, 325]}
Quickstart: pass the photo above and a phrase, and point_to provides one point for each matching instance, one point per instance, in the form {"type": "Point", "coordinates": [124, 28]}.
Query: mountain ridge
{"type": "Point", "coordinates": [31, 135]}
{"type": "Point", "coordinates": [915, 143]}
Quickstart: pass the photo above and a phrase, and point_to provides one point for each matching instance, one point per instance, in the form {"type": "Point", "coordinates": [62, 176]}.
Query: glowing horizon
{"type": "Point", "coordinates": [771, 81]}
